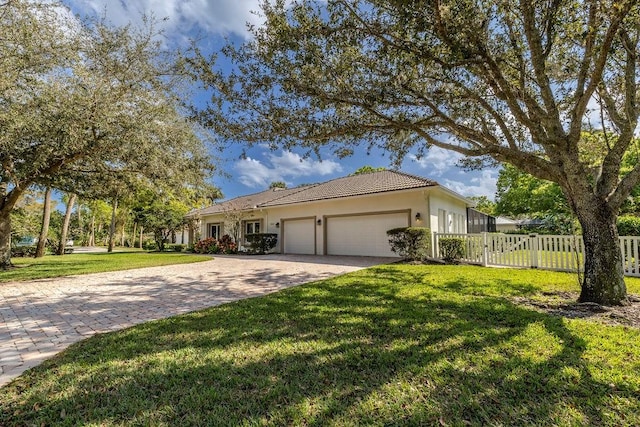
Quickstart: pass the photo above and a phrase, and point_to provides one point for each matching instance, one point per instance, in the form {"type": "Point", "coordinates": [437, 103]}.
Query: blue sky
{"type": "Point", "coordinates": [214, 21]}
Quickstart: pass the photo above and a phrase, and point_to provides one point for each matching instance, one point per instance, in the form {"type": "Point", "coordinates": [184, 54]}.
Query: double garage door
{"type": "Point", "coordinates": [363, 235]}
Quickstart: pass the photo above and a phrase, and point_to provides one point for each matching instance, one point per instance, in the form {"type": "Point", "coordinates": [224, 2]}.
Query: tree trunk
{"type": "Point", "coordinates": [92, 232]}
{"type": "Point", "coordinates": [133, 234]}
{"type": "Point", "coordinates": [44, 230]}
{"type": "Point", "coordinates": [5, 239]}
{"type": "Point", "coordinates": [141, 236]}
{"type": "Point", "coordinates": [65, 224]}
{"type": "Point", "coordinates": [112, 228]}
{"type": "Point", "coordinates": [603, 281]}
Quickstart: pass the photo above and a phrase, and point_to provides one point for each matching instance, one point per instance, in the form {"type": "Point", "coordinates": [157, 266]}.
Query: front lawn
{"type": "Point", "coordinates": [390, 345]}
{"type": "Point", "coordinates": [66, 265]}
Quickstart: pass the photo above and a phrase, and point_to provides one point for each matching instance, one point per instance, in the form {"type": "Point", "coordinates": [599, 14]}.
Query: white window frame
{"type": "Point", "coordinates": [253, 223]}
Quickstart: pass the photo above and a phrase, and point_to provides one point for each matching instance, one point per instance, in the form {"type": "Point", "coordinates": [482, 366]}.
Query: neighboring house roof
{"type": "Point", "coordinates": [501, 220]}
{"type": "Point", "coordinates": [348, 186]}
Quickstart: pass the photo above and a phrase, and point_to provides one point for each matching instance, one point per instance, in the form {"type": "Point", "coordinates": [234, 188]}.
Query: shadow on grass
{"type": "Point", "coordinates": [360, 349]}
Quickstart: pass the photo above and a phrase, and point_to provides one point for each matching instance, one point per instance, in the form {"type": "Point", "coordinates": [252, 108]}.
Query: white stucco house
{"type": "Point", "coordinates": [344, 216]}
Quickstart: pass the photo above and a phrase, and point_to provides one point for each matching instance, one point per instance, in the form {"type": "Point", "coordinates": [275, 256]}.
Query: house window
{"type": "Point", "coordinates": [252, 226]}
{"type": "Point", "coordinates": [215, 231]}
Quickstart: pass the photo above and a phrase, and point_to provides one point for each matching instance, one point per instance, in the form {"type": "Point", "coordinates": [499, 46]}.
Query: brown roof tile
{"type": "Point", "coordinates": [356, 185]}
{"type": "Point", "coordinates": [250, 201]}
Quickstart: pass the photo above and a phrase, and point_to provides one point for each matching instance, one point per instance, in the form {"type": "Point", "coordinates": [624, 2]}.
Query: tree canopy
{"type": "Point", "coordinates": [499, 80]}
{"type": "Point", "coordinates": [87, 108]}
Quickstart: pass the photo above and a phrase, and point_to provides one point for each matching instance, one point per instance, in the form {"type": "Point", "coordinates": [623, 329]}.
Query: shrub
{"type": "Point", "coordinates": [262, 242]}
{"type": "Point", "coordinates": [176, 247]}
{"type": "Point", "coordinates": [150, 245]}
{"type": "Point", "coordinates": [411, 243]}
{"type": "Point", "coordinates": [451, 248]}
{"type": "Point", "coordinates": [207, 246]}
{"type": "Point", "coordinates": [23, 251]}
{"type": "Point", "coordinates": [227, 245]}
{"type": "Point", "coordinates": [629, 225]}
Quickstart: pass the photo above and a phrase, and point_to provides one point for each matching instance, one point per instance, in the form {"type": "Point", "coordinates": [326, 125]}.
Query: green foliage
{"type": "Point", "coordinates": [411, 243]}
{"type": "Point", "coordinates": [261, 243]}
{"type": "Point", "coordinates": [207, 246]}
{"type": "Point", "coordinates": [391, 345]}
{"type": "Point", "coordinates": [175, 247]}
{"type": "Point", "coordinates": [367, 169]}
{"type": "Point", "coordinates": [484, 205]}
{"type": "Point", "coordinates": [278, 184]}
{"type": "Point", "coordinates": [520, 194]}
{"type": "Point", "coordinates": [89, 109]}
{"type": "Point", "coordinates": [629, 225]}
{"type": "Point", "coordinates": [451, 248]}
{"type": "Point", "coordinates": [227, 245]}
{"type": "Point", "coordinates": [150, 245]}
{"type": "Point", "coordinates": [23, 251]}
{"type": "Point", "coordinates": [162, 213]}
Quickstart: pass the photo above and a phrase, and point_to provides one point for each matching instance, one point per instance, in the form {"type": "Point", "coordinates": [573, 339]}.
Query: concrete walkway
{"type": "Point", "coordinates": [42, 317]}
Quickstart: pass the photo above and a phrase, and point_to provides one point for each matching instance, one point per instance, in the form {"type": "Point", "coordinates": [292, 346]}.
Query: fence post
{"type": "Point", "coordinates": [433, 244]}
{"type": "Point", "coordinates": [533, 241]}
{"type": "Point", "coordinates": [485, 248]}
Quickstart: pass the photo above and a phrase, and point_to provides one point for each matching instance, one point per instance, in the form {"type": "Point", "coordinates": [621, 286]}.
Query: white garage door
{"type": "Point", "coordinates": [363, 234]}
{"type": "Point", "coordinates": [299, 236]}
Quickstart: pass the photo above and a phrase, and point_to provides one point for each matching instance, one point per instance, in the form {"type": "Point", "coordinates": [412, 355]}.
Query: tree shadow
{"type": "Point", "coordinates": [344, 351]}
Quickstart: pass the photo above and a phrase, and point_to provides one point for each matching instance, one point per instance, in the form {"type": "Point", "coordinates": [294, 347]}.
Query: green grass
{"type": "Point", "coordinates": [391, 345]}
{"type": "Point", "coordinates": [57, 266]}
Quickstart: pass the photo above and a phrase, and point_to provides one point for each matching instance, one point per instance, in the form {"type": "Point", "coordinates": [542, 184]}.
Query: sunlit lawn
{"type": "Point", "coordinates": [391, 345]}
{"type": "Point", "coordinates": [55, 266]}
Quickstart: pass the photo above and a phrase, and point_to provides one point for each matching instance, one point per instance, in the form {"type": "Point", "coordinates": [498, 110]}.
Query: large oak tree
{"type": "Point", "coordinates": [83, 104]}
{"type": "Point", "coordinates": [512, 81]}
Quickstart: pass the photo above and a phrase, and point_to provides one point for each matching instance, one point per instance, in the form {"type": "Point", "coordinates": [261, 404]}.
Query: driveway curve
{"type": "Point", "coordinates": [42, 317]}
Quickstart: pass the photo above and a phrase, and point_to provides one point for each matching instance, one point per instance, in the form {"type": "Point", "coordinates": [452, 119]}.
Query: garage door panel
{"type": "Point", "coordinates": [364, 235]}
{"type": "Point", "coordinates": [299, 236]}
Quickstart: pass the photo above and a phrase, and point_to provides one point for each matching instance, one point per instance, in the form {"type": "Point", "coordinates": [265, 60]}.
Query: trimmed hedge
{"type": "Point", "coordinates": [411, 243]}
{"type": "Point", "coordinates": [261, 243]}
{"type": "Point", "coordinates": [451, 248]}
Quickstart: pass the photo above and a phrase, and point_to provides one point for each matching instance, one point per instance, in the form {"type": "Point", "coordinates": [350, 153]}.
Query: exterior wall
{"type": "Point", "coordinates": [427, 202]}
{"type": "Point", "coordinates": [448, 214]}
{"type": "Point", "coordinates": [414, 201]}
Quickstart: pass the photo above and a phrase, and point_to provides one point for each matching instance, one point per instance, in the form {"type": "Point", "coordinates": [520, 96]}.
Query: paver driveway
{"type": "Point", "coordinates": [42, 317]}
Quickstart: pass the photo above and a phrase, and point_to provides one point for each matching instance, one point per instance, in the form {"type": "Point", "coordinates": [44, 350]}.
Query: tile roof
{"type": "Point", "coordinates": [250, 201]}
{"type": "Point", "coordinates": [356, 185]}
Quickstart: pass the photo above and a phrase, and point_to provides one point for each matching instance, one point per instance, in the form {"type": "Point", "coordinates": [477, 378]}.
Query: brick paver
{"type": "Point", "coordinates": [42, 317]}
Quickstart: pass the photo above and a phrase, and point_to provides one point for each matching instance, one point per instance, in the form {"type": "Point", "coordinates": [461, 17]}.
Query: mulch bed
{"type": "Point", "coordinates": [564, 304]}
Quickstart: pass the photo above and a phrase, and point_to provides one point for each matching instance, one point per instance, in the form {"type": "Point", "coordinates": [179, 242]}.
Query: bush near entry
{"type": "Point", "coordinates": [261, 243]}
{"type": "Point", "coordinates": [411, 243]}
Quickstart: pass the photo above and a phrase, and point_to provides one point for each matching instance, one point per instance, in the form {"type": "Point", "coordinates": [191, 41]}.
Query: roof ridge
{"type": "Point", "coordinates": [302, 188]}
{"type": "Point", "coordinates": [413, 176]}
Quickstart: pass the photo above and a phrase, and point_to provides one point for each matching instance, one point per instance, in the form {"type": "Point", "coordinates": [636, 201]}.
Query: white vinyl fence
{"type": "Point", "coordinates": [548, 252]}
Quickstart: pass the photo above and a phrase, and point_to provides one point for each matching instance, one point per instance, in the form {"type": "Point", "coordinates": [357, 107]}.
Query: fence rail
{"type": "Point", "coordinates": [548, 252]}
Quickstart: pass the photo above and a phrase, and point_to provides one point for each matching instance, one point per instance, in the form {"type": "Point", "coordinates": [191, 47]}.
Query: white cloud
{"type": "Point", "coordinates": [437, 160]}
{"type": "Point", "coordinates": [214, 16]}
{"type": "Point", "coordinates": [481, 183]}
{"type": "Point", "coordinates": [284, 167]}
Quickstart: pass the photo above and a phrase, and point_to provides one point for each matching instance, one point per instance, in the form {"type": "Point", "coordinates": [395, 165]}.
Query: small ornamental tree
{"type": "Point", "coordinates": [411, 243]}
